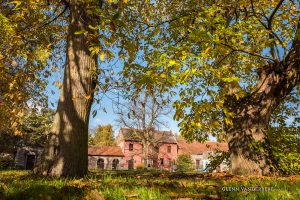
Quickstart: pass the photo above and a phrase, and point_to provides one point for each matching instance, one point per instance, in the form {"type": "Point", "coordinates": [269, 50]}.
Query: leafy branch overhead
{"type": "Point", "coordinates": [214, 49]}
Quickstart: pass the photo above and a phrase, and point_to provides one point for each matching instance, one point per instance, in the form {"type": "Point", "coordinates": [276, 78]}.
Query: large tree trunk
{"type": "Point", "coordinates": [252, 115]}
{"type": "Point", "coordinates": [67, 153]}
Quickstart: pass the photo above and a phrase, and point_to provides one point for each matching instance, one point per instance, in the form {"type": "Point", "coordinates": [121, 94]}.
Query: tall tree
{"type": "Point", "coordinates": [236, 62]}
{"type": "Point", "coordinates": [70, 130]}
{"type": "Point", "coordinates": [104, 136]}
{"type": "Point", "coordinates": [93, 28]}
{"type": "Point", "coordinates": [31, 32]}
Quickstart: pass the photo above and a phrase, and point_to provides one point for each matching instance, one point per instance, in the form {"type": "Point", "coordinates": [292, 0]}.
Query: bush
{"type": "Point", "coordinates": [285, 149]}
{"type": "Point", "coordinates": [184, 163]}
{"type": "Point", "coordinates": [140, 167]}
{"type": "Point", "coordinates": [6, 161]}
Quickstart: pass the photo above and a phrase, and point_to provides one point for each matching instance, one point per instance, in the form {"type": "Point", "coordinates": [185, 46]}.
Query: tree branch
{"type": "Point", "coordinates": [57, 16]}
{"type": "Point", "coordinates": [243, 51]}
{"type": "Point", "coordinates": [273, 13]}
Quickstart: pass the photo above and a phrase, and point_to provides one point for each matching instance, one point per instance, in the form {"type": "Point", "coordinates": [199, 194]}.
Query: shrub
{"type": "Point", "coordinates": [285, 149]}
{"type": "Point", "coordinates": [139, 167]}
{"type": "Point", "coordinates": [184, 163]}
{"type": "Point", "coordinates": [6, 161]}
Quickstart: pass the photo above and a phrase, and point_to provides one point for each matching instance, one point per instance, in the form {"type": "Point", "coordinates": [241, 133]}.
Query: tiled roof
{"type": "Point", "coordinates": [195, 148]}
{"type": "Point", "coordinates": [159, 136]}
{"type": "Point", "coordinates": [105, 151]}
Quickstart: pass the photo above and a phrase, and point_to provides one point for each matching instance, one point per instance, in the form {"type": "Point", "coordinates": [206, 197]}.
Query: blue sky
{"type": "Point", "coordinates": [101, 118]}
{"type": "Point", "coordinates": [109, 117]}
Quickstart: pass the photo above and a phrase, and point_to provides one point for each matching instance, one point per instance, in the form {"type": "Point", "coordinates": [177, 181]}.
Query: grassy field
{"type": "Point", "coordinates": [146, 185]}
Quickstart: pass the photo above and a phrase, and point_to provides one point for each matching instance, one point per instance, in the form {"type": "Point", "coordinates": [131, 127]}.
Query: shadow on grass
{"type": "Point", "coordinates": [42, 191]}
{"type": "Point", "coordinates": [144, 185]}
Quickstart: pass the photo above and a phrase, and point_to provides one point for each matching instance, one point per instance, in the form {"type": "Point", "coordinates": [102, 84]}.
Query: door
{"type": "Point", "coordinates": [30, 161]}
{"type": "Point", "coordinates": [100, 163]}
{"type": "Point", "coordinates": [131, 164]}
{"type": "Point", "coordinates": [115, 164]}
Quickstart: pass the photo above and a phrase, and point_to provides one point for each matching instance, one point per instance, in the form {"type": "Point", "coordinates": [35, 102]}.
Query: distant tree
{"type": "Point", "coordinates": [34, 132]}
{"type": "Point", "coordinates": [36, 126]}
{"type": "Point", "coordinates": [184, 163]}
{"type": "Point", "coordinates": [35, 129]}
{"type": "Point", "coordinates": [104, 136]}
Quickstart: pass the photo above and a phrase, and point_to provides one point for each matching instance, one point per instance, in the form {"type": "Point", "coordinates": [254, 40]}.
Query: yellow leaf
{"type": "Point", "coordinates": [88, 97]}
{"type": "Point", "coordinates": [57, 83]}
{"type": "Point", "coordinates": [163, 75]}
{"type": "Point", "coordinates": [172, 62]}
{"type": "Point", "coordinates": [20, 114]}
{"type": "Point", "coordinates": [207, 49]}
{"type": "Point", "coordinates": [102, 56]}
{"type": "Point", "coordinates": [14, 63]}
{"type": "Point", "coordinates": [112, 1]}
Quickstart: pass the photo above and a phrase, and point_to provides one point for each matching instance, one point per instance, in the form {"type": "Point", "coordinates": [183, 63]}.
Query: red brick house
{"type": "Point", "coordinates": [161, 155]}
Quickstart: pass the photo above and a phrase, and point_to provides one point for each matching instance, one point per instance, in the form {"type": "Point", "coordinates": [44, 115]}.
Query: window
{"type": "Point", "coordinates": [169, 162]}
{"type": "Point", "coordinates": [130, 147]}
{"type": "Point", "coordinates": [161, 161]}
{"type": "Point", "coordinates": [169, 149]}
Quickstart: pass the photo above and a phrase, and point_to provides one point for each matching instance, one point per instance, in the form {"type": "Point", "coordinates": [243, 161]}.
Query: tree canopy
{"type": "Point", "coordinates": [213, 49]}
{"type": "Point", "coordinates": [26, 42]}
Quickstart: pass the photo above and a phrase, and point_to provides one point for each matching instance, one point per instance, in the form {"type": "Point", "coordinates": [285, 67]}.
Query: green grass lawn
{"type": "Point", "coordinates": [146, 185]}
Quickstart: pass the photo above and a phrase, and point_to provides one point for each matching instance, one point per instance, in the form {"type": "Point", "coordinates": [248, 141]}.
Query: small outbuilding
{"type": "Point", "coordinates": [27, 157]}
{"type": "Point", "coordinates": [106, 158]}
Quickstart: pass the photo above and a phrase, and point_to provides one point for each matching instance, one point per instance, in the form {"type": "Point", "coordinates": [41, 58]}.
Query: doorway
{"type": "Point", "coordinates": [30, 161]}
{"type": "Point", "coordinates": [100, 164]}
{"type": "Point", "coordinates": [131, 164]}
{"type": "Point", "coordinates": [115, 164]}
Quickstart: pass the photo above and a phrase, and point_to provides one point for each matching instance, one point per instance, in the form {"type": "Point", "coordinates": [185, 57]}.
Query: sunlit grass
{"type": "Point", "coordinates": [144, 185]}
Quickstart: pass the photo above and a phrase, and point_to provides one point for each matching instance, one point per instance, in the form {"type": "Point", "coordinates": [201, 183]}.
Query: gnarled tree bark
{"type": "Point", "coordinates": [252, 114]}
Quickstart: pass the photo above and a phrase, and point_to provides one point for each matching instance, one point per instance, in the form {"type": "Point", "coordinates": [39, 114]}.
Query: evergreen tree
{"type": "Point", "coordinates": [36, 126]}
{"type": "Point", "coordinates": [184, 163]}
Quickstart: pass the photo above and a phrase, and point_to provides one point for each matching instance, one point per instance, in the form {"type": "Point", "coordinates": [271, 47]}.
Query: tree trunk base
{"type": "Point", "coordinates": [240, 165]}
